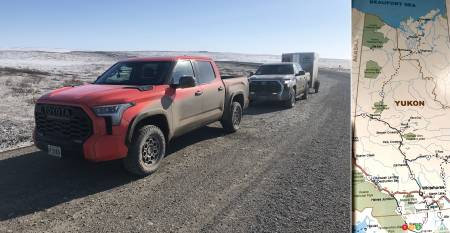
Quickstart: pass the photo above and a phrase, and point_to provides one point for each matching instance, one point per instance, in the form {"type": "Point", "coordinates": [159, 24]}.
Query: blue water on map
{"type": "Point", "coordinates": [360, 227]}
{"type": "Point", "coordinates": [393, 12]}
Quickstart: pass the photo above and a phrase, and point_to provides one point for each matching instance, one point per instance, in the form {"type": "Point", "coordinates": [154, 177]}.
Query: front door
{"type": "Point", "coordinates": [187, 102]}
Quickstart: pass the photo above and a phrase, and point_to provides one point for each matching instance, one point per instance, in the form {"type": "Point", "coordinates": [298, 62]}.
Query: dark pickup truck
{"type": "Point", "coordinates": [282, 82]}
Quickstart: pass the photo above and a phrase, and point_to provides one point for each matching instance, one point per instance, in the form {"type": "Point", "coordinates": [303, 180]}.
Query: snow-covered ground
{"type": "Point", "coordinates": [44, 60]}
{"type": "Point", "coordinates": [25, 75]}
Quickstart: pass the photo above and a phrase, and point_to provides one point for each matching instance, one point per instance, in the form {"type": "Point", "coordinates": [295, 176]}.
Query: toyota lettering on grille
{"type": "Point", "coordinates": [56, 112]}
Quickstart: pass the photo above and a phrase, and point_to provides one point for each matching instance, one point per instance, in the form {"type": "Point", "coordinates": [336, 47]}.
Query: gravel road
{"type": "Point", "coordinates": [284, 171]}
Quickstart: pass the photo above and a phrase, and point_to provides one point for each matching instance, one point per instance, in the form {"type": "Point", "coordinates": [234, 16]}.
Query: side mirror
{"type": "Point", "coordinates": [301, 72]}
{"type": "Point", "coordinates": [251, 73]}
{"type": "Point", "coordinates": [185, 82]}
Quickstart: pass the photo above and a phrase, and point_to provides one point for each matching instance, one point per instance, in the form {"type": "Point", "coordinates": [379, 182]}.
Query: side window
{"type": "Point", "coordinates": [205, 72]}
{"type": "Point", "coordinates": [182, 68]}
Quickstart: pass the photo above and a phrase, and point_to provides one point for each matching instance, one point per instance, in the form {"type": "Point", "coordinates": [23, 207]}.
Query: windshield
{"type": "Point", "coordinates": [136, 73]}
{"type": "Point", "coordinates": [275, 69]}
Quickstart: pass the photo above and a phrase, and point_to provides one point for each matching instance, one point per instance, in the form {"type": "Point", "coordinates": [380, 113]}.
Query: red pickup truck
{"type": "Point", "coordinates": [136, 107]}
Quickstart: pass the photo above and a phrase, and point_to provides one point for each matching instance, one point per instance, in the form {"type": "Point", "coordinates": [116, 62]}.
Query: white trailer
{"type": "Point", "coordinates": [309, 62]}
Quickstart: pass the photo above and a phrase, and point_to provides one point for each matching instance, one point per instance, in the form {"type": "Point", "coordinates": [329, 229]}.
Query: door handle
{"type": "Point", "coordinates": [198, 93]}
{"type": "Point", "coordinates": [220, 88]}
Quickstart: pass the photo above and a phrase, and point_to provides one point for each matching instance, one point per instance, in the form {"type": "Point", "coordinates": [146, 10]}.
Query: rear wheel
{"type": "Point", "coordinates": [290, 103]}
{"type": "Point", "coordinates": [146, 151]}
{"type": "Point", "coordinates": [233, 120]}
{"type": "Point", "coordinates": [305, 92]}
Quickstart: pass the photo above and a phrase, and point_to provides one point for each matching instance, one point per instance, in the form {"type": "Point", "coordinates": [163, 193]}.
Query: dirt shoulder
{"type": "Point", "coordinates": [284, 171]}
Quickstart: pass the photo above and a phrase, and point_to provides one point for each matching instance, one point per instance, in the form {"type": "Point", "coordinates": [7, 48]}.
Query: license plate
{"type": "Point", "coordinates": [54, 151]}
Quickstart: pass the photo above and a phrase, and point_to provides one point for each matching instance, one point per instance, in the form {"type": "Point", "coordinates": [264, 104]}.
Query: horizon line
{"type": "Point", "coordinates": [63, 50]}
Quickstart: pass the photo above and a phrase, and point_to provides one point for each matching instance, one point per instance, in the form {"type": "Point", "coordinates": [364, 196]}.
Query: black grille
{"type": "Point", "coordinates": [265, 87]}
{"type": "Point", "coordinates": [62, 122]}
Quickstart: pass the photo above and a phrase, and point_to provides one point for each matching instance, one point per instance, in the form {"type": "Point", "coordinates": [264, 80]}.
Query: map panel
{"type": "Point", "coordinates": [401, 115]}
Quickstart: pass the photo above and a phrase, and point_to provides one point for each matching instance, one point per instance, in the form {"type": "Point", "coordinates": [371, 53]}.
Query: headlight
{"type": "Point", "coordinates": [286, 81]}
{"type": "Point", "coordinates": [114, 111]}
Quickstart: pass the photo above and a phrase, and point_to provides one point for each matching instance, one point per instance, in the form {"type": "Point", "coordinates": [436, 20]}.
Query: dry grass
{"type": "Point", "coordinates": [72, 82]}
{"type": "Point", "coordinates": [9, 82]}
{"type": "Point", "coordinates": [23, 88]}
{"type": "Point", "coordinates": [21, 71]}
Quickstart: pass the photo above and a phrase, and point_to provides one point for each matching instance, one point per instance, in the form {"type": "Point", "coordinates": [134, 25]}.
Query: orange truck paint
{"type": "Point", "coordinates": [103, 146]}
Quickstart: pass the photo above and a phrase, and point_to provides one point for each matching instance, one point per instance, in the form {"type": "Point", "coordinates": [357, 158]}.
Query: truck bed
{"type": "Point", "coordinates": [235, 85]}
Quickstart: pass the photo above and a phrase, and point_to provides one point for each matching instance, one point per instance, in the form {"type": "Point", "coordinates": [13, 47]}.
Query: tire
{"type": "Point", "coordinates": [231, 123]}
{"type": "Point", "coordinates": [305, 92]}
{"type": "Point", "coordinates": [143, 162]}
{"type": "Point", "coordinates": [316, 86]}
{"type": "Point", "coordinates": [290, 103]}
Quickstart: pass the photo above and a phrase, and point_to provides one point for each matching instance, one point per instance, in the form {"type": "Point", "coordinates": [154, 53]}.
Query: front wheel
{"type": "Point", "coordinates": [290, 103]}
{"type": "Point", "coordinates": [233, 120]}
{"type": "Point", "coordinates": [146, 151]}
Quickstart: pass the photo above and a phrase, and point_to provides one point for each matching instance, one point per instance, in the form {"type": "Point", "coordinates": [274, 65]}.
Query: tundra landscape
{"type": "Point", "coordinates": [281, 172]}
{"type": "Point", "coordinates": [26, 75]}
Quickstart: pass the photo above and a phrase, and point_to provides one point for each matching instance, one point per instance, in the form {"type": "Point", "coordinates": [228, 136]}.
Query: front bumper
{"type": "Point", "coordinates": [261, 98]}
{"type": "Point", "coordinates": [101, 145]}
{"type": "Point", "coordinates": [68, 149]}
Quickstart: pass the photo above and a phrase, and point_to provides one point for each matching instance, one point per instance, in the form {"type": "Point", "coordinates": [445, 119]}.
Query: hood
{"type": "Point", "coordinates": [95, 94]}
{"type": "Point", "coordinates": [272, 77]}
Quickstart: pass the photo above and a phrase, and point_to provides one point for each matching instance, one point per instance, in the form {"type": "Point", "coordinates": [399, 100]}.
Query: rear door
{"type": "Point", "coordinates": [301, 80]}
{"type": "Point", "coordinates": [212, 88]}
{"type": "Point", "coordinates": [187, 104]}
{"type": "Point", "coordinates": [297, 81]}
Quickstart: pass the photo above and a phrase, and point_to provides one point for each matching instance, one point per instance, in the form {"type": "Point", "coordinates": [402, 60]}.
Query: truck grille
{"type": "Point", "coordinates": [265, 87]}
{"type": "Point", "coordinates": [62, 122]}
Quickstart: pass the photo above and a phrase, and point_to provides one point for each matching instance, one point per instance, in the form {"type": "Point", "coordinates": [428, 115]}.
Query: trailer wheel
{"type": "Point", "coordinates": [231, 123]}
{"type": "Point", "coordinates": [146, 151]}
{"type": "Point", "coordinates": [316, 86]}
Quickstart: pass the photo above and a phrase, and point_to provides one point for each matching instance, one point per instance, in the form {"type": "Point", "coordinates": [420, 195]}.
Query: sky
{"type": "Point", "coordinates": [242, 26]}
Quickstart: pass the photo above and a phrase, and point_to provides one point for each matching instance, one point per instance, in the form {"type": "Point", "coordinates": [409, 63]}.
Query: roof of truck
{"type": "Point", "coordinates": [171, 58]}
